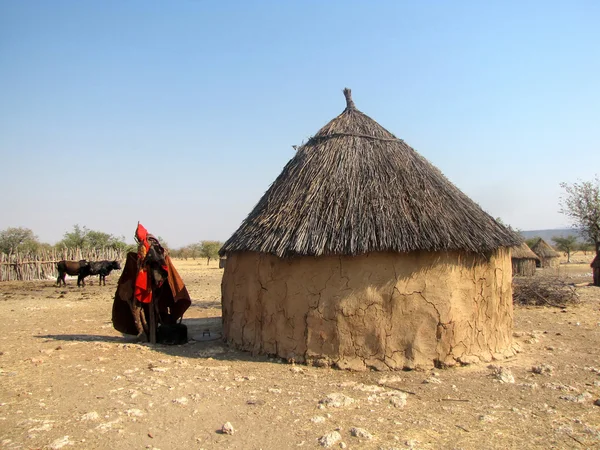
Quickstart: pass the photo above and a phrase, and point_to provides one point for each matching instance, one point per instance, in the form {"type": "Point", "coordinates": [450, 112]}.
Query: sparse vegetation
{"type": "Point", "coordinates": [567, 244]}
{"type": "Point", "coordinates": [18, 239]}
{"type": "Point", "coordinates": [210, 250]}
{"type": "Point", "coordinates": [582, 205]}
{"type": "Point", "coordinates": [83, 237]}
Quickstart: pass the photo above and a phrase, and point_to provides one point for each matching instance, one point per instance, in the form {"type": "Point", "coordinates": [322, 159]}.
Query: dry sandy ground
{"type": "Point", "coordinates": [69, 380]}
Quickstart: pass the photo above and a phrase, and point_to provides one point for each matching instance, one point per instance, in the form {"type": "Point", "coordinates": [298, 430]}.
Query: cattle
{"type": "Point", "coordinates": [79, 268]}
{"type": "Point", "coordinates": [103, 268]}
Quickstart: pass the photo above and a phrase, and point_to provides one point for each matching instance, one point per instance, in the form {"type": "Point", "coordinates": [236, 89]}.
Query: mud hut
{"type": "Point", "coordinates": [524, 261]}
{"type": "Point", "coordinates": [361, 254]}
{"type": "Point", "coordinates": [548, 257]}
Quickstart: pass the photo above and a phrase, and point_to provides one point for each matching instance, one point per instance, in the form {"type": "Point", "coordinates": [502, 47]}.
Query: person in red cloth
{"type": "Point", "coordinates": [143, 291]}
{"type": "Point", "coordinates": [143, 288]}
{"type": "Point", "coordinates": [148, 272]}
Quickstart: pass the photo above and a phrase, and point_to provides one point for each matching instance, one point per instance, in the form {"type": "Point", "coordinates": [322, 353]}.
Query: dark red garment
{"type": "Point", "coordinates": [143, 291]}
{"type": "Point", "coordinates": [172, 299]}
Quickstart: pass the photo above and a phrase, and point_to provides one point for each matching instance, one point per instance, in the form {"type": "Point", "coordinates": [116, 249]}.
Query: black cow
{"type": "Point", "coordinates": [79, 268]}
{"type": "Point", "coordinates": [103, 268]}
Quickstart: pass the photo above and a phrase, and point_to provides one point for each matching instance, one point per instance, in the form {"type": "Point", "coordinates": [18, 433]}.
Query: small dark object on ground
{"type": "Point", "coordinates": [173, 334]}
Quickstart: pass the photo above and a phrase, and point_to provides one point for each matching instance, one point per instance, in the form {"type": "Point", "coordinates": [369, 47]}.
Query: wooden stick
{"type": "Point", "coordinates": [398, 389]}
{"type": "Point", "coordinates": [575, 439]}
{"type": "Point", "coordinates": [152, 324]}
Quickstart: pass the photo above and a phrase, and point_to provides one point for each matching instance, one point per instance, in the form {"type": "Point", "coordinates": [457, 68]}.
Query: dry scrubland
{"type": "Point", "coordinates": [69, 380]}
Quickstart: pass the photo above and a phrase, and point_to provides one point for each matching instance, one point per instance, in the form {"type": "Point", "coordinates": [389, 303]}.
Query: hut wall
{"type": "Point", "coordinates": [549, 262]}
{"type": "Point", "coordinates": [381, 310]}
{"type": "Point", "coordinates": [523, 267]}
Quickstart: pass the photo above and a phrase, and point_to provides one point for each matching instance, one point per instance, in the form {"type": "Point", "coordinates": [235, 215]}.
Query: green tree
{"type": "Point", "coordinates": [83, 237]}
{"type": "Point", "coordinates": [210, 250]}
{"type": "Point", "coordinates": [581, 203]}
{"type": "Point", "coordinates": [532, 241]}
{"type": "Point", "coordinates": [20, 239]}
{"type": "Point", "coordinates": [586, 247]}
{"type": "Point", "coordinates": [75, 238]}
{"type": "Point", "coordinates": [98, 239]}
{"type": "Point", "coordinates": [566, 244]}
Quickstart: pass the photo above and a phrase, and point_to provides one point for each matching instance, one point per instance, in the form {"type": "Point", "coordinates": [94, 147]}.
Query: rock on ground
{"type": "Point", "coordinates": [502, 374]}
{"type": "Point", "coordinates": [227, 428]}
{"type": "Point", "coordinates": [330, 439]}
{"type": "Point", "coordinates": [360, 433]}
{"type": "Point", "coordinates": [337, 400]}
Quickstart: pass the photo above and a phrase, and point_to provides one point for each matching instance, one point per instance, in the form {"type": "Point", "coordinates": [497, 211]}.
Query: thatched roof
{"type": "Point", "coordinates": [356, 188]}
{"type": "Point", "coordinates": [523, 252]}
{"type": "Point", "coordinates": [543, 250]}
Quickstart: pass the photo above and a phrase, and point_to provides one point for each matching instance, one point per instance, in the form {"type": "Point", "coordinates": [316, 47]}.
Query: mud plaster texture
{"type": "Point", "coordinates": [384, 311]}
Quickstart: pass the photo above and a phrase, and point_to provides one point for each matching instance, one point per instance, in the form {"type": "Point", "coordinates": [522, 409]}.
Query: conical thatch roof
{"type": "Point", "coordinates": [543, 250]}
{"type": "Point", "coordinates": [523, 252]}
{"type": "Point", "coordinates": [355, 188]}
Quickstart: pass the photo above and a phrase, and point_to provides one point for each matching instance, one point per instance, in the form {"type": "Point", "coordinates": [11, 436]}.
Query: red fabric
{"type": "Point", "coordinates": [142, 234]}
{"type": "Point", "coordinates": [142, 291]}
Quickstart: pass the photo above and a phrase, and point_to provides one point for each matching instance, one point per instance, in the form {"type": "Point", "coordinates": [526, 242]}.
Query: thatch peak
{"type": "Point", "coordinates": [543, 249]}
{"type": "Point", "coordinates": [355, 188]}
{"type": "Point", "coordinates": [523, 252]}
{"type": "Point", "coordinates": [349, 101]}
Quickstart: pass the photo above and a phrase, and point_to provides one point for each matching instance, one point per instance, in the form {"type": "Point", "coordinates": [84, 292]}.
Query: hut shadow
{"type": "Point", "coordinates": [88, 338]}
{"type": "Point", "coordinates": [204, 341]}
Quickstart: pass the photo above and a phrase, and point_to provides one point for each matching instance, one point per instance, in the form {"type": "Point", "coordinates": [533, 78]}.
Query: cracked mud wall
{"type": "Point", "coordinates": [380, 310]}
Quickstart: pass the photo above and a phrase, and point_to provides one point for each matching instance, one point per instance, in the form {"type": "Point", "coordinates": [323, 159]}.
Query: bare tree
{"type": "Point", "coordinates": [581, 204]}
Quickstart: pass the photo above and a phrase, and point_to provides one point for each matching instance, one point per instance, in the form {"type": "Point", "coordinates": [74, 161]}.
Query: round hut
{"type": "Point", "coordinates": [524, 261]}
{"type": "Point", "coordinates": [548, 257]}
{"type": "Point", "coordinates": [361, 254]}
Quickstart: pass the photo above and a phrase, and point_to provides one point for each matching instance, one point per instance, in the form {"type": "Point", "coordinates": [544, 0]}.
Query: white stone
{"type": "Point", "coordinates": [360, 433]}
{"type": "Point", "coordinates": [92, 415]}
{"type": "Point", "coordinates": [330, 439]}
{"type": "Point", "coordinates": [227, 428]}
{"type": "Point", "coordinates": [337, 400]}
{"type": "Point", "coordinates": [60, 443]}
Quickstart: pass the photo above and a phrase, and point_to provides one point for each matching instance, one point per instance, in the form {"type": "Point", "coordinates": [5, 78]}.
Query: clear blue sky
{"type": "Point", "coordinates": [181, 114]}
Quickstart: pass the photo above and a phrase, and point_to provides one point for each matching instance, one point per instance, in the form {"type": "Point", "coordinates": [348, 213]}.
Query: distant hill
{"type": "Point", "coordinates": [547, 235]}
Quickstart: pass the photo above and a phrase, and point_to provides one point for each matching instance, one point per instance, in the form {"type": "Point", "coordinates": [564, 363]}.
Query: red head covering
{"type": "Point", "coordinates": [141, 235]}
{"type": "Point", "coordinates": [142, 291]}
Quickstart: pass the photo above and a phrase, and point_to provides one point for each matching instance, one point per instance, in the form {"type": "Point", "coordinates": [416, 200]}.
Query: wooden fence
{"type": "Point", "coordinates": [42, 265]}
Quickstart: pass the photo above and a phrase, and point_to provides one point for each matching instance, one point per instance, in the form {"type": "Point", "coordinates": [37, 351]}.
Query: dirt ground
{"type": "Point", "coordinates": [69, 380]}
